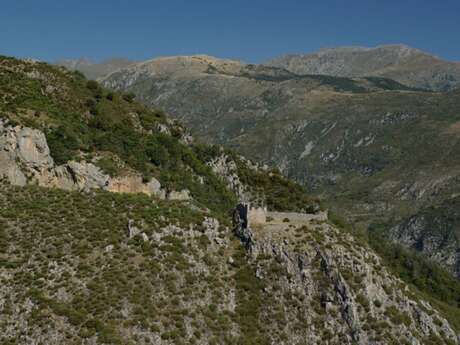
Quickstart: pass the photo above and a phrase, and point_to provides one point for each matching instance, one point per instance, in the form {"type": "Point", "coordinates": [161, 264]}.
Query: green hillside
{"type": "Point", "coordinates": [98, 267]}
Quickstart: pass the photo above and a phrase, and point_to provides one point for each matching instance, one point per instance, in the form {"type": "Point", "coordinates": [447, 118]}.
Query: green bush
{"type": "Point", "coordinates": [92, 85]}
{"type": "Point", "coordinates": [63, 144]}
{"type": "Point", "coordinates": [129, 97]}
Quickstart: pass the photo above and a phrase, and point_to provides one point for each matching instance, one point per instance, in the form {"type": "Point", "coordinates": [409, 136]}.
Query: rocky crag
{"type": "Point", "coordinates": [347, 289]}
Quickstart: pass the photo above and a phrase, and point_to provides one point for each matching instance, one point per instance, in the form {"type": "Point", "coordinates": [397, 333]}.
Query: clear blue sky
{"type": "Point", "coordinates": [251, 30]}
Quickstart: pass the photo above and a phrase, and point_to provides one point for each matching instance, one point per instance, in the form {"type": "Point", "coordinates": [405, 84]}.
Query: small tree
{"type": "Point", "coordinates": [129, 97]}
{"type": "Point", "coordinates": [92, 85]}
{"type": "Point", "coordinates": [111, 96]}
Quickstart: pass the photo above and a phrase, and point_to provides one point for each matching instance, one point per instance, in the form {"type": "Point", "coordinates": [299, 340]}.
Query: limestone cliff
{"type": "Point", "coordinates": [25, 159]}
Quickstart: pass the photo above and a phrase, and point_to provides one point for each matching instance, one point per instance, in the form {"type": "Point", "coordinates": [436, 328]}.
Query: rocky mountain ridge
{"type": "Point", "coordinates": [409, 66]}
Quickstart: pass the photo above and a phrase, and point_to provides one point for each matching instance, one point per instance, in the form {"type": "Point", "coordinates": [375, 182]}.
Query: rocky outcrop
{"type": "Point", "coordinates": [134, 184]}
{"type": "Point", "coordinates": [227, 169]}
{"type": "Point", "coordinates": [420, 232]}
{"type": "Point", "coordinates": [182, 195]}
{"type": "Point", "coordinates": [25, 158]}
{"type": "Point", "coordinates": [22, 147]}
{"type": "Point", "coordinates": [352, 297]}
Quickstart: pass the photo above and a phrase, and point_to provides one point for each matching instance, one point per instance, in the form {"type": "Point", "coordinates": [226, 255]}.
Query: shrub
{"type": "Point", "coordinates": [110, 96]}
{"type": "Point", "coordinates": [63, 144]}
{"type": "Point", "coordinates": [92, 85]}
{"type": "Point", "coordinates": [129, 97]}
{"type": "Point", "coordinates": [377, 303]}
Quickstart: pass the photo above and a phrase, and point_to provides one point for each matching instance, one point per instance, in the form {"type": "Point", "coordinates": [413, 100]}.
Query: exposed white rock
{"type": "Point", "coordinates": [88, 176]}
{"type": "Point", "coordinates": [145, 238]}
{"type": "Point", "coordinates": [308, 148]}
{"type": "Point", "coordinates": [25, 158]}
{"type": "Point", "coordinates": [109, 248]}
{"type": "Point", "coordinates": [226, 168]}
{"type": "Point", "coordinates": [32, 148]}
{"type": "Point", "coordinates": [134, 184]}
{"type": "Point", "coordinates": [132, 229]}
{"type": "Point", "coordinates": [182, 195]}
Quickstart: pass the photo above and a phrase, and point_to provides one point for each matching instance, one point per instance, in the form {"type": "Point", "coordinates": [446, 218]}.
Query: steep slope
{"type": "Point", "coordinates": [375, 150]}
{"type": "Point", "coordinates": [135, 246]}
{"type": "Point", "coordinates": [407, 65]}
{"type": "Point", "coordinates": [94, 70]}
{"type": "Point", "coordinates": [179, 276]}
{"type": "Point", "coordinates": [59, 130]}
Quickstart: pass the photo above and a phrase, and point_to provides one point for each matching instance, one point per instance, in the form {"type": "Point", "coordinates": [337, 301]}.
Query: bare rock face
{"type": "Point", "coordinates": [182, 195]}
{"type": "Point", "coordinates": [33, 149]}
{"type": "Point", "coordinates": [134, 184]}
{"type": "Point", "coordinates": [24, 154]}
{"type": "Point", "coordinates": [417, 232]}
{"type": "Point", "coordinates": [87, 176]}
{"type": "Point", "coordinates": [25, 159]}
{"type": "Point", "coordinates": [226, 168]}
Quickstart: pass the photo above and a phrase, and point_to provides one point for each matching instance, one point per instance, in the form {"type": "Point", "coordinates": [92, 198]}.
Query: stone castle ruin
{"type": "Point", "coordinates": [260, 216]}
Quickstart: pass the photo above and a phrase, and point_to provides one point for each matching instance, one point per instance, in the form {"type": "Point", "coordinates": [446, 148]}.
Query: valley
{"type": "Point", "coordinates": [376, 151]}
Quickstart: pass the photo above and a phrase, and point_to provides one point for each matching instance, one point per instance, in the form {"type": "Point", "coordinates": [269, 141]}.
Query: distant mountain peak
{"type": "Point", "coordinates": [92, 69]}
{"type": "Point", "coordinates": [410, 66]}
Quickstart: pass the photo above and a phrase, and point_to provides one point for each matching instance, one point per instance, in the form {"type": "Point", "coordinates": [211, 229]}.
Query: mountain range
{"type": "Point", "coordinates": [404, 64]}
{"type": "Point", "coordinates": [381, 153]}
{"type": "Point", "coordinates": [409, 66]}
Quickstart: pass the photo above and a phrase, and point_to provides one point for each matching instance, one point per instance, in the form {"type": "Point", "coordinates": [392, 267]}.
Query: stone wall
{"type": "Point", "coordinates": [297, 217]}
{"type": "Point", "coordinates": [259, 215]}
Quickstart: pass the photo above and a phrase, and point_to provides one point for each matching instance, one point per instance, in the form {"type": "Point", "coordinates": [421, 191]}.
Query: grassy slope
{"type": "Point", "coordinates": [54, 244]}
{"type": "Point", "coordinates": [54, 252]}
{"type": "Point", "coordinates": [429, 280]}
